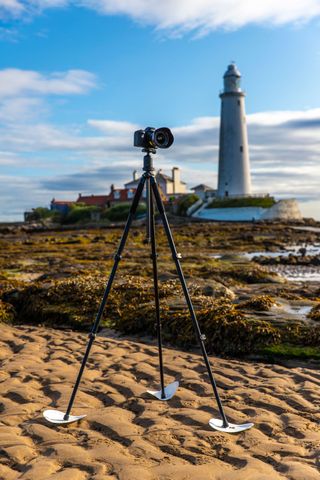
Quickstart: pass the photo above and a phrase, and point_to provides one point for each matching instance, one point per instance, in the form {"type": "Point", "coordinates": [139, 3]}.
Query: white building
{"type": "Point", "coordinates": [170, 186]}
{"type": "Point", "coordinates": [234, 167]}
{"type": "Point", "coordinates": [204, 191]}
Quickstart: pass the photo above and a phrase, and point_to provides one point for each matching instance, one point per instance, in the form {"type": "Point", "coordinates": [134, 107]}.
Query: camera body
{"type": "Point", "coordinates": [152, 138]}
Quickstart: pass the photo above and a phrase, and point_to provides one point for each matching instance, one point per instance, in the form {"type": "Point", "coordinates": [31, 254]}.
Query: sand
{"type": "Point", "coordinates": [128, 435]}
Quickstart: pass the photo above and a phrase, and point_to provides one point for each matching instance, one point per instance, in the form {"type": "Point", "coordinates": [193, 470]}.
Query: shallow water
{"type": "Point", "coordinates": [311, 250]}
{"type": "Point", "coordinates": [308, 229]}
{"type": "Point", "coordinates": [299, 310]}
{"type": "Point", "coordinates": [296, 273]}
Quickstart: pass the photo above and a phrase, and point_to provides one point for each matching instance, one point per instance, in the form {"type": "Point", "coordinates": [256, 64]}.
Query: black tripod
{"type": "Point", "coordinates": [153, 195]}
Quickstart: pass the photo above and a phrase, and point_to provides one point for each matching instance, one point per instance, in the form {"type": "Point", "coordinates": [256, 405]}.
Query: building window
{"type": "Point", "coordinates": [116, 195]}
{"type": "Point", "coordinates": [241, 148]}
{"type": "Point", "coordinates": [239, 103]}
{"type": "Point", "coordinates": [130, 194]}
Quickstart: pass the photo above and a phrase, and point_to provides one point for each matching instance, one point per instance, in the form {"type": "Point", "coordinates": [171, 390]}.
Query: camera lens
{"type": "Point", "coordinates": [163, 137]}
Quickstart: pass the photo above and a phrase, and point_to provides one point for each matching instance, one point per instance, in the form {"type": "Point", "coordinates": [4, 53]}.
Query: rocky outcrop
{"type": "Point", "coordinates": [284, 209]}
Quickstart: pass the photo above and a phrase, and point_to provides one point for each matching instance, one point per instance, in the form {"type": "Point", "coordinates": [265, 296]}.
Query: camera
{"type": "Point", "coordinates": [152, 138]}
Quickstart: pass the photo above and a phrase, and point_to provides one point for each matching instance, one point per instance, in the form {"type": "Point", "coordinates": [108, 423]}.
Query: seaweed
{"type": "Point", "coordinates": [261, 303]}
{"type": "Point", "coordinates": [314, 314]}
{"type": "Point", "coordinates": [57, 278]}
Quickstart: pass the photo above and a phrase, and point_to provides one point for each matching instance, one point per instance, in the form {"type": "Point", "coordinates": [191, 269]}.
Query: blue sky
{"type": "Point", "coordinates": [78, 77]}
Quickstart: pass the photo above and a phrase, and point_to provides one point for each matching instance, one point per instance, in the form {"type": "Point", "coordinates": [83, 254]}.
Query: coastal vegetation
{"type": "Point", "coordinates": [185, 202]}
{"type": "Point", "coordinates": [263, 202]}
{"type": "Point", "coordinates": [57, 278]}
{"type": "Point", "coordinates": [79, 213]}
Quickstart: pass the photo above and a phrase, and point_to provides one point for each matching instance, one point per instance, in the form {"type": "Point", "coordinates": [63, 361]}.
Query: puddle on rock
{"type": "Point", "coordinates": [296, 273]}
{"type": "Point", "coordinates": [310, 251]}
{"type": "Point", "coordinates": [298, 310]}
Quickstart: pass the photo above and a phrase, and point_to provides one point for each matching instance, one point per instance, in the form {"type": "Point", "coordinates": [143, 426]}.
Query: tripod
{"type": "Point", "coordinates": [152, 195]}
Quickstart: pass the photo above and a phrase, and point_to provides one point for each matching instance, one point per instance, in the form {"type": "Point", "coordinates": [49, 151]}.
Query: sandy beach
{"type": "Point", "coordinates": [128, 435]}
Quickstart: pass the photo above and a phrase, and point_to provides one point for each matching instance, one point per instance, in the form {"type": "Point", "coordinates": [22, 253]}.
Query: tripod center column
{"type": "Point", "coordinates": [148, 163]}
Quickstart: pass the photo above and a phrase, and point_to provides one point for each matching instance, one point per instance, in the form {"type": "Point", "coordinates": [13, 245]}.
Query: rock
{"type": "Point", "coordinates": [217, 289]}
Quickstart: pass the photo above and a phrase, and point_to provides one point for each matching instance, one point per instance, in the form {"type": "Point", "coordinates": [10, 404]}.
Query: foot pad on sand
{"type": "Point", "coordinates": [55, 416]}
{"type": "Point", "coordinates": [217, 424]}
{"type": "Point", "coordinates": [169, 391]}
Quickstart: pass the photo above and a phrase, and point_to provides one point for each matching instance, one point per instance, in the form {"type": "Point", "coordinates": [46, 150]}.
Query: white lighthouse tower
{"type": "Point", "coordinates": [234, 167]}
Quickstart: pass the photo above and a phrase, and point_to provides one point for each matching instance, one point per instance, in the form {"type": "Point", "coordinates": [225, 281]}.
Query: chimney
{"type": "Point", "coordinates": [135, 175]}
{"type": "Point", "coordinates": [112, 187]}
{"type": "Point", "coordinates": [176, 179]}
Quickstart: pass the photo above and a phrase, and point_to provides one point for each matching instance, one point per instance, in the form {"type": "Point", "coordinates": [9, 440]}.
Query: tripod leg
{"type": "Point", "coordinates": [148, 217]}
{"type": "Point", "coordinates": [156, 290]}
{"type": "Point", "coordinates": [200, 337]}
{"type": "Point", "coordinates": [59, 417]}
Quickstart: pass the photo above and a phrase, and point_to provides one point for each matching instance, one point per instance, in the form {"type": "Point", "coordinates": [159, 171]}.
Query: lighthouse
{"type": "Point", "coordinates": [234, 167]}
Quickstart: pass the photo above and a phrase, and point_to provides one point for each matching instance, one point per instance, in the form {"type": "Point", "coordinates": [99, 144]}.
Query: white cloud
{"type": "Point", "coordinates": [20, 108]}
{"type": "Point", "coordinates": [205, 15]}
{"type": "Point", "coordinates": [284, 153]}
{"type": "Point", "coordinates": [180, 16]}
{"type": "Point", "coordinates": [15, 82]}
{"type": "Point", "coordinates": [23, 92]}
{"type": "Point", "coordinates": [281, 116]}
{"type": "Point", "coordinates": [15, 7]}
{"type": "Point", "coordinates": [9, 159]}
{"type": "Point", "coordinates": [114, 127]}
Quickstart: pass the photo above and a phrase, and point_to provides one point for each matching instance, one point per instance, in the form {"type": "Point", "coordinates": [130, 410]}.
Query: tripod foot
{"type": "Point", "coordinates": [55, 416]}
{"type": "Point", "coordinates": [169, 391]}
{"type": "Point", "coordinates": [217, 424]}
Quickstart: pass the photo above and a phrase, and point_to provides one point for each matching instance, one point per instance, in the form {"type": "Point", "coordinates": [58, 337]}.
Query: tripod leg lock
{"type": "Point", "coordinates": [118, 257]}
{"type": "Point", "coordinates": [177, 256]}
{"type": "Point", "coordinates": [154, 256]}
{"type": "Point", "coordinates": [92, 335]}
{"type": "Point", "coordinates": [203, 337]}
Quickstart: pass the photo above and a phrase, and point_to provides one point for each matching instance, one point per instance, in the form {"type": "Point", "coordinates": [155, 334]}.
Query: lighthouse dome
{"type": "Point", "coordinates": [232, 78]}
{"type": "Point", "coordinates": [232, 70]}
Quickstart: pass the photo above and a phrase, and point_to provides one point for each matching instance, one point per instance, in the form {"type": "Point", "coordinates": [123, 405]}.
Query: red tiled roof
{"type": "Point", "coordinates": [61, 202]}
{"type": "Point", "coordinates": [102, 200]}
{"type": "Point", "coordinates": [94, 200]}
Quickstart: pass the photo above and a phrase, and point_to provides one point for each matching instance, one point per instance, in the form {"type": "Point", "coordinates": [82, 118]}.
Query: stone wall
{"type": "Point", "coordinates": [284, 209]}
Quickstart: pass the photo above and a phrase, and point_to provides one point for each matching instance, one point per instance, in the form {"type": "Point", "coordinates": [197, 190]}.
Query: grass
{"type": "Point", "coordinates": [264, 202]}
{"type": "Point", "coordinates": [285, 350]}
{"type": "Point", "coordinates": [120, 212]}
{"type": "Point", "coordinates": [185, 202]}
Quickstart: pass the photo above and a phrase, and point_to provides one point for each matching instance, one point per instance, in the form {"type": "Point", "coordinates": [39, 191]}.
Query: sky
{"type": "Point", "coordinates": [78, 77]}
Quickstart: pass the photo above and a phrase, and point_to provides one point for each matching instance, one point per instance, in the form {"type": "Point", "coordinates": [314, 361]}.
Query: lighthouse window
{"type": "Point", "coordinates": [238, 102]}
{"type": "Point", "coordinates": [241, 148]}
